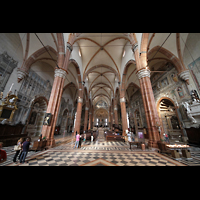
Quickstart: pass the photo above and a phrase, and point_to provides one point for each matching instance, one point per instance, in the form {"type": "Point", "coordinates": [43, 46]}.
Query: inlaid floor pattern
{"type": "Point", "coordinates": [63, 158]}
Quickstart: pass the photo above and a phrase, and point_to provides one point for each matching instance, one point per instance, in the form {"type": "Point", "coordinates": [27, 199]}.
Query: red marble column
{"type": "Point", "coordinates": [53, 106]}
{"type": "Point", "coordinates": [152, 117]}
{"type": "Point", "coordinates": [143, 73]}
{"type": "Point", "coordinates": [145, 109]}
{"type": "Point", "coordinates": [124, 115]}
{"type": "Point", "coordinates": [78, 115]}
{"type": "Point", "coordinates": [111, 117]}
{"type": "Point", "coordinates": [115, 112]}
{"type": "Point", "coordinates": [86, 118]}
{"type": "Point", "coordinates": [90, 120]}
{"type": "Point", "coordinates": [57, 89]}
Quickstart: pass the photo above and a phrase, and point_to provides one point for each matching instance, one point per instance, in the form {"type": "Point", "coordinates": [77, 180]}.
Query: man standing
{"type": "Point", "coordinates": [25, 146]}
{"type": "Point", "coordinates": [3, 155]}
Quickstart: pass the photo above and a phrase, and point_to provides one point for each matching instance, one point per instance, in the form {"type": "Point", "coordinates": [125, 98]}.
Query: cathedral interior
{"type": "Point", "coordinates": [134, 95]}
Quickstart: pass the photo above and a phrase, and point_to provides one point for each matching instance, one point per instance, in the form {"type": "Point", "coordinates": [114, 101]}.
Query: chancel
{"type": "Point", "coordinates": [133, 94]}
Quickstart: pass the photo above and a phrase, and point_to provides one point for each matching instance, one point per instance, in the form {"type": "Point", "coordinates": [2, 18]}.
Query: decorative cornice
{"type": "Point", "coordinates": [185, 75]}
{"type": "Point", "coordinates": [143, 73]}
{"type": "Point", "coordinates": [61, 73]}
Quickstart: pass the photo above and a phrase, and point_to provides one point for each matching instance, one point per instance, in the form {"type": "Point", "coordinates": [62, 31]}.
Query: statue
{"type": "Point", "coordinates": [194, 96]}
{"type": "Point", "coordinates": [186, 105]}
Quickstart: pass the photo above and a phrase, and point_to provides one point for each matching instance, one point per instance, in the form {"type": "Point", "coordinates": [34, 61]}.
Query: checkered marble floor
{"type": "Point", "coordinates": [193, 161]}
{"type": "Point", "coordinates": [100, 153]}
{"type": "Point", "coordinates": [91, 158]}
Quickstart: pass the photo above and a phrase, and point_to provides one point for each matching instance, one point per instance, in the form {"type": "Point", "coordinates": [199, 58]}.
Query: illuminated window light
{"type": "Point", "coordinates": [124, 52]}
{"type": "Point", "coordinates": [79, 52]}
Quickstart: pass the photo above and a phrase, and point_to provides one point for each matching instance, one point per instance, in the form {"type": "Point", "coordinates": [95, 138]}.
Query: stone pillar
{"type": "Point", "coordinates": [78, 115]}
{"type": "Point", "coordinates": [57, 89]}
{"type": "Point", "coordinates": [115, 112]}
{"type": "Point", "coordinates": [153, 120]}
{"type": "Point", "coordinates": [86, 118]}
{"type": "Point", "coordinates": [123, 114]}
{"type": "Point", "coordinates": [143, 73]}
{"type": "Point", "coordinates": [90, 121]}
{"type": "Point", "coordinates": [53, 105]}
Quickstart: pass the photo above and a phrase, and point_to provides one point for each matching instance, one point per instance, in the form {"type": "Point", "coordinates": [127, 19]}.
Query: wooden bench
{"type": "Point", "coordinates": [115, 138]}
{"type": "Point", "coordinates": [133, 143]}
{"type": "Point", "coordinates": [39, 145]}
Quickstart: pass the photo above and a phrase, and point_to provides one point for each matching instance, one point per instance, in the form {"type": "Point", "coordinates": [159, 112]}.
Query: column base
{"type": "Point", "coordinates": [51, 142]}
{"type": "Point", "coordinates": [153, 145]}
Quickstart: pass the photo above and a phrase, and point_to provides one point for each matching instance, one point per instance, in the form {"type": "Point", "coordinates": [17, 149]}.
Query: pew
{"type": "Point", "coordinates": [10, 134]}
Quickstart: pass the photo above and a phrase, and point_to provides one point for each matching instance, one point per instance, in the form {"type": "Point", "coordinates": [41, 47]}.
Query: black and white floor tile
{"type": "Point", "coordinates": [81, 158]}
{"type": "Point", "coordinates": [100, 153]}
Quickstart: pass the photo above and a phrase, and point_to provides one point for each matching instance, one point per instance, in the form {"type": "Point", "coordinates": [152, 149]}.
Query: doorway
{"type": "Point", "coordinates": [170, 121]}
{"type": "Point", "coordinates": [36, 117]}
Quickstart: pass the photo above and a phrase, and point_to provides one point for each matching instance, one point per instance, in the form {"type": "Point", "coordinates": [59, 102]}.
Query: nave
{"type": "Point", "coordinates": [146, 84]}
{"type": "Point", "coordinates": [100, 153]}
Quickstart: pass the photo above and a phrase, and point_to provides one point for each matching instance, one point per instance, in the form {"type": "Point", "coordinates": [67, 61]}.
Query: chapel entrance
{"type": "Point", "coordinates": [170, 122]}
{"type": "Point", "coordinates": [36, 117]}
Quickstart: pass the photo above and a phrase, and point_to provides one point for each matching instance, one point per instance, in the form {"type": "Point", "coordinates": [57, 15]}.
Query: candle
{"type": "Point", "coordinates": [11, 86]}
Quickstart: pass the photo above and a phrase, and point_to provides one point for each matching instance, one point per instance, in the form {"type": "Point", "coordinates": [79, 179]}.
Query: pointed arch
{"type": "Point", "coordinates": [33, 58]}
{"type": "Point", "coordinates": [176, 62]}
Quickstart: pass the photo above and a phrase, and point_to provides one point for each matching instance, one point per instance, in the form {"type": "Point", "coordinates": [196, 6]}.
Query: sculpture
{"type": "Point", "coordinates": [186, 105]}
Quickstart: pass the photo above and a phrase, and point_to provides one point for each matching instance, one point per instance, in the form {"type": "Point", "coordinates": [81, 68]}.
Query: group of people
{"type": "Point", "coordinates": [21, 149]}
{"type": "Point", "coordinates": [79, 137]}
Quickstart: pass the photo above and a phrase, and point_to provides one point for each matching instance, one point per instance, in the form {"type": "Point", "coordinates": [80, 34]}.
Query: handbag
{"type": "Point", "coordinates": [17, 148]}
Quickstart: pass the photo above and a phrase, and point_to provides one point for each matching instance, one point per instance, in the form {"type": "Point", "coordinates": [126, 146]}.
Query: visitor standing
{"type": "Point", "coordinates": [25, 147]}
{"type": "Point", "coordinates": [77, 140]}
{"type": "Point", "coordinates": [166, 138]}
{"type": "Point", "coordinates": [18, 149]}
{"type": "Point", "coordinates": [84, 137]}
{"type": "Point", "coordinates": [91, 136]}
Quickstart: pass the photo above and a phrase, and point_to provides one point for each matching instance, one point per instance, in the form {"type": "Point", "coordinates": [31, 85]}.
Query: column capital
{"type": "Point", "coordinates": [80, 100]}
{"type": "Point", "coordinates": [115, 108]}
{"type": "Point", "coordinates": [61, 73]}
{"type": "Point", "coordinates": [122, 99]}
{"type": "Point", "coordinates": [21, 74]}
{"type": "Point", "coordinates": [143, 73]}
{"type": "Point", "coordinates": [86, 108]}
{"type": "Point", "coordinates": [185, 75]}
{"type": "Point", "coordinates": [134, 47]}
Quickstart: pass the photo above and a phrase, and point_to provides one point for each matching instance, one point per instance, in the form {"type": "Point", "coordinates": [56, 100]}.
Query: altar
{"type": "Point", "coordinates": [174, 149]}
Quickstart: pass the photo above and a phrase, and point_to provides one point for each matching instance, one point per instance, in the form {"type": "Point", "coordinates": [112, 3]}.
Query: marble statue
{"type": "Point", "coordinates": [186, 105]}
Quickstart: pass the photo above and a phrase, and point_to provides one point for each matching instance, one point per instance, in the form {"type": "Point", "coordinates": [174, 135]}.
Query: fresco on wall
{"type": "Point", "coordinates": [194, 68]}
{"type": "Point", "coordinates": [174, 77]}
{"type": "Point", "coordinates": [180, 92]}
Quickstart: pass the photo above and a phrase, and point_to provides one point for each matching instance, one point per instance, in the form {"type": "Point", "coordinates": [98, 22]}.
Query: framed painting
{"type": "Point", "coordinates": [47, 119]}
